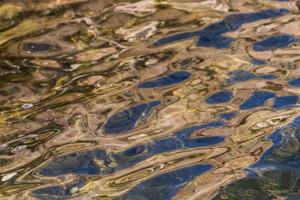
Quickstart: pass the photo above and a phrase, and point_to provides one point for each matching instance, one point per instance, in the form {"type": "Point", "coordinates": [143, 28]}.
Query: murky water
{"type": "Point", "coordinates": [149, 99]}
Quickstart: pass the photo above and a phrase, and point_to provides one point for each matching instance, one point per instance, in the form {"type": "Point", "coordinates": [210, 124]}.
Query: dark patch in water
{"type": "Point", "coordinates": [273, 43]}
{"type": "Point", "coordinates": [219, 97]}
{"type": "Point", "coordinates": [211, 36]}
{"type": "Point", "coordinates": [170, 79]}
{"type": "Point", "coordinates": [257, 99]}
{"type": "Point", "coordinates": [37, 47]}
{"type": "Point", "coordinates": [285, 101]}
{"type": "Point", "coordinates": [165, 186]}
{"type": "Point", "coordinates": [126, 120]}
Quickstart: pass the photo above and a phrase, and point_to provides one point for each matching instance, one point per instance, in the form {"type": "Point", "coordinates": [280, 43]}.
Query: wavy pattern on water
{"type": "Point", "coordinates": [117, 99]}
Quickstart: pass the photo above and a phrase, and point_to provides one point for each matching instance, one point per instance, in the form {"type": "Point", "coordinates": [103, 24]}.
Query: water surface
{"type": "Point", "coordinates": [146, 99]}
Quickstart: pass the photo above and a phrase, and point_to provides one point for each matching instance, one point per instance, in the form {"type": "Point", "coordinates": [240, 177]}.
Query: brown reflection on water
{"type": "Point", "coordinates": [69, 66]}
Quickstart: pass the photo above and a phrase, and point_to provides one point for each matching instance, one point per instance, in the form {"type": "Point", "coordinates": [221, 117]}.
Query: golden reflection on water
{"type": "Point", "coordinates": [97, 97]}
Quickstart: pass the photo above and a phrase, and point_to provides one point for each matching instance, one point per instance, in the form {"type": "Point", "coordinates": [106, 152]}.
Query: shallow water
{"type": "Point", "coordinates": [149, 99]}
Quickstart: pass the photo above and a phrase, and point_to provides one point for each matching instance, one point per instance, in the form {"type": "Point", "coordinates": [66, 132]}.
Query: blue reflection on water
{"type": "Point", "coordinates": [127, 119]}
{"type": "Point", "coordinates": [295, 82]}
{"type": "Point", "coordinates": [180, 140]}
{"type": "Point", "coordinates": [84, 162]}
{"type": "Point", "coordinates": [211, 35]}
{"type": "Point", "coordinates": [274, 42]}
{"type": "Point", "coordinates": [258, 98]}
{"type": "Point", "coordinates": [228, 116]}
{"type": "Point", "coordinates": [285, 101]}
{"type": "Point", "coordinates": [243, 75]}
{"type": "Point", "coordinates": [219, 97]}
{"type": "Point", "coordinates": [167, 80]}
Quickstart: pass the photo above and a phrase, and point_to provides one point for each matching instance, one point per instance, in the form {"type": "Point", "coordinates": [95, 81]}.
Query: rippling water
{"type": "Point", "coordinates": [149, 99]}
